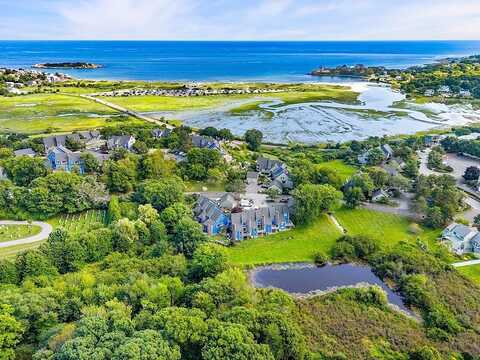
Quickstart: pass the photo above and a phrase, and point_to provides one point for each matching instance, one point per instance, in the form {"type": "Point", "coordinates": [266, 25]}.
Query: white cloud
{"type": "Point", "coordinates": [249, 19]}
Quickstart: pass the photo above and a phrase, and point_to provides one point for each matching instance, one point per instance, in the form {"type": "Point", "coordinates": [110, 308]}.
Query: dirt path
{"type": "Point", "coordinates": [44, 233]}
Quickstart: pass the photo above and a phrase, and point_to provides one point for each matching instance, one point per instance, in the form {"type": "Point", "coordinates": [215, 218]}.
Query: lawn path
{"type": "Point", "coordinates": [44, 233]}
{"type": "Point", "coordinates": [466, 263]}
{"type": "Point", "coordinates": [127, 111]}
{"type": "Point", "coordinates": [337, 224]}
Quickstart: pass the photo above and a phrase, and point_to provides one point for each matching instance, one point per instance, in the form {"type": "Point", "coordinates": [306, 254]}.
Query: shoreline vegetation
{"type": "Point", "coordinates": [457, 78]}
{"type": "Point", "coordinates": [67, 65]}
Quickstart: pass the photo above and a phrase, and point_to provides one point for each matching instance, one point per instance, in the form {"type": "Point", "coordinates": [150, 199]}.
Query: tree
{"type": "Point", "coordinates": [121, 175]}
{"type": "Point", "coordinates": [225, 134]}
{"type": "Point", "coordinates": [253, 138]}
{"type": "Point", "coordinates": [125, 235]}
{"type": "Point", "coordinates": [232, 341]}
{"type": "Point", "coordinates": [273, 193]}
{"type": "Point", "coordinates": [33, 263]}
{"type": "Point", "coordinates": [140, 147]}
{"type": "Point", "coordinates": [114, 212]}
{"type": "Point", "coordinates": [147, 214]}
{"type": "Point", "coordinates": [160, 193]}
{"type": "Point", "coordinates": [313, 200]}
{"type": "Point", "coordinates": [379, 176]}
{"type": "Point", "coordinates": [208, 260]}
{"type": "Point", "coordinates": [155, 166]}
{"type": "Point", "coordinates": [10, 333]}
{"type": "Point", "coordinates": [23, 170]}
{"type": "Point", "coordinates": [187, 236]}
{"type": "Point", "coordinates": [64, 252]}
{"type": "Point", "coordinates": [354, 197]}
{"type": "Point", "coordinates": [90, 163]}
{"type": "Point", "coordinates": [375, 157]}
{"type": "Point", "coordinates": [472, 173]}
{"type": "Point", "coordinates": [172, 215]}
{"type": "Point", "coordinates": [209, 131]}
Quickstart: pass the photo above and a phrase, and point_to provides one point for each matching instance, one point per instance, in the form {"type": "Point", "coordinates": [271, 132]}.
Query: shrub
{"type": "Point", "coordinates": [320, 259]}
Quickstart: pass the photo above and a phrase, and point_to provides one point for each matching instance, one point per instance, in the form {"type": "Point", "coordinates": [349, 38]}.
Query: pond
{"type": "Point", "coordinates": [305, 279]}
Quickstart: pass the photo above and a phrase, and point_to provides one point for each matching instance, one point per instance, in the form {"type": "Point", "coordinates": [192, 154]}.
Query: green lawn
{"type": "Point", "coordinates": [300, 244]}
{"type": "Point", "coordinates": [11, 251]}
{"type": "Point", "coordinates": [343, 170]}
{"type": "Point", "coordinates": [387, 229]}
{"type": "Point", "coordinates": [296, 245]}
{"type": "Point", "coordinates": [39, 113]}
{"type": "Point", "coordinates": [472, 272]}
{"type": "Point", "coordinates": [79, 222]}
{"type": "Point", "coordinates": [15, 232]}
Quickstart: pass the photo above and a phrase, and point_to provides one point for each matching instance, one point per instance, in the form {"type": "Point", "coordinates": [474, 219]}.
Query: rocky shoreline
{"type": "Point", "coordinates": [67, 65]}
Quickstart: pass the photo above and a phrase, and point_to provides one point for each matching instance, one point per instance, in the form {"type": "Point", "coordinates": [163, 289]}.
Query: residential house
{"type": "Point", "coordinates": [259, 222]}
{"type": "Point", "coordinates": [161, 133]}
{"type": "Point", "coordinates": [387, 151]}
{"type": "Point", "coordinates": [61, 158]}
{"type": "Point", "coordinates": [25, 152]}
{"type": "Point", "coordinates": [379, 195]}
{"type": "Point", "coordinates": [209, 214]}
{"type": "Point", "coordinates": [93, 140]}
{"type": "Point", "coordinates": [58, 140]}
{"type": "Point", "coordinates": [280, 174]}
{"type": "Point", "coordinates": [462, 238]}
{"type": "Point", "coordinates": [276, 185]}
{"type": "Point", "coordinates": [227, 202]}
{"type": "Point", "coordinates": [121, 141]}
{"type": "Point", "coordinates": [265, 165]}
{"type": "Point", "coordinates": [431, 140]}
{"type": "Point", "coordinates": [205, 142]}
{"type": "Point", "coordinates": [429, 92]}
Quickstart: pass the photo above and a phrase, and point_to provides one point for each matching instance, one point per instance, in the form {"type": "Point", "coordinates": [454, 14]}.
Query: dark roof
{"type": "Point", "coordinates": [205, 142]}
{"type": "Point", "coordinates": [264, 164]}
{"type": "Point", "coordinates": [27, 152]}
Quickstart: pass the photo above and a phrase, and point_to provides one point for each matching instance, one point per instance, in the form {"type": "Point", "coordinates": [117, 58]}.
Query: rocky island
{"type": "Point", "coordinates": [67, 65]}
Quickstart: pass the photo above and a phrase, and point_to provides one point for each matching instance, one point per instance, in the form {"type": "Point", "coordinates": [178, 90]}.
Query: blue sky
{"type": "Point", "coordinates": [240, 19]}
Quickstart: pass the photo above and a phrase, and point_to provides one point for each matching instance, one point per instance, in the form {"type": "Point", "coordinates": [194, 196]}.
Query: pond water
{"type": "Point", "coordinates": [305, 279]}
{"type": "Point", "coordinates": [381, 111]}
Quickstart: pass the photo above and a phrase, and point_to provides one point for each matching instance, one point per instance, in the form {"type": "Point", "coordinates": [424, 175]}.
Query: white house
{"type": "Point", "coordinates": [461, 238]}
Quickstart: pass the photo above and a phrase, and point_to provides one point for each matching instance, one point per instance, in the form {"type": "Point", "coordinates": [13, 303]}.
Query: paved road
{"type": "Point", "coordinates": [44, 233]}
{"type": "Point", "coordinates": [466, 263]}
{"type": "Point", "coordinates": [127, 111]}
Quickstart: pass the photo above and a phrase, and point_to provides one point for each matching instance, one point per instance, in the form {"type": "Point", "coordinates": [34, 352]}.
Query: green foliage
{"type": "Point", "coordinates": [24, 169]}
{"type": "Point", "coordinates": [160, 193]}
{"type": "Point", "coordinates": [187, 236]}
{"type": "Point", "coordinates": [10, 332]}
{"type": "Point", "coordinates": [208, 260]}
{"type": "Point", "coordinates": [253, 138]}
{"type": "Point", "coordinates": [313, 200]}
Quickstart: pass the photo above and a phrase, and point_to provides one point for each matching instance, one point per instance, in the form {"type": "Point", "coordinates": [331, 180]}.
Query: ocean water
{"type": "Point", "coordinates": [229, 61]}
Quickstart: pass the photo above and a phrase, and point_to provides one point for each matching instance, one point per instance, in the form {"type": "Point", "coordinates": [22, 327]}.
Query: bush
{"type": "Point", "coordinates": [320, 259]}
{"type": "Point", "coordinates": [343, 250]}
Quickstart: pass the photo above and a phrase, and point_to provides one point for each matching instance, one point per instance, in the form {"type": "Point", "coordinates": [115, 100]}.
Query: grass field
{"type": "Point", "coordinates": [387, 229]}
{"type": "Point", "coordinates": [15, 232]}
{"type": "Point", "coordinates": [11, 251]}
{"type": "Point", "coordinates": [168, 103]}
{"type": "Point", "coordinates": [39, 113]}
{"type": "Point", "coordinates": [82, 221]}
{"type": "Point", "coordinates": [472, 272]}
{"type": "Point", "coordinates": [300, 244]}
{"type": "Point", "coordinates": [296, 245]}
{"type": "Point", "coordinates": [343, 170]}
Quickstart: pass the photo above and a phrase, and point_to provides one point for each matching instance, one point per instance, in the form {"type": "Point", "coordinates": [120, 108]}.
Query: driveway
{"type": "Point", "coordinates": [46, 229]}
